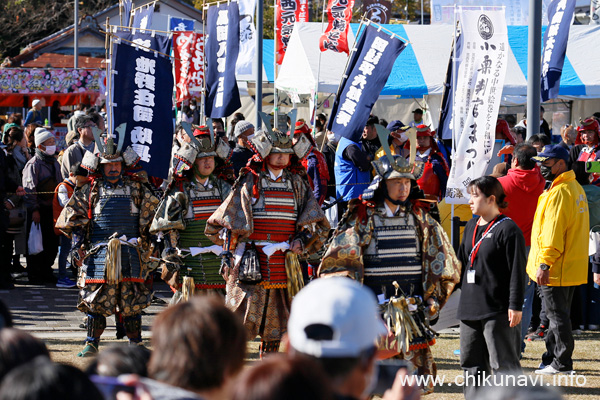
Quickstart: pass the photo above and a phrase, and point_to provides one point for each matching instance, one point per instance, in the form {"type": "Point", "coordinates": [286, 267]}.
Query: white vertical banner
{"type": "Point", "coordinates": [245, 61]}
{"type": "Point", "coordinates": [478, 91]}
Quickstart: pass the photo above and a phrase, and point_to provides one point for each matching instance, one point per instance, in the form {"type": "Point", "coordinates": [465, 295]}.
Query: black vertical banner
{"type": "Point", "coordinates": [222, 48]}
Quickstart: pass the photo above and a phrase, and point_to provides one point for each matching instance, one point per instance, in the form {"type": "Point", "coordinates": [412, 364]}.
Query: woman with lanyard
{"type": "Point", "coordinates": [493, 282]}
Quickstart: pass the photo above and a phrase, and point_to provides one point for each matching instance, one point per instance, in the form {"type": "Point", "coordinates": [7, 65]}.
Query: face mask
{"type": "Point", "coordinates": [250, 137]}
{"type": "Point", "coordinates": [331, 137]}
{"type": "Point", "coordinates": [547, 173]}
{"type": "Point", "coordinates": [192, 107]}
{"type": "Point", "coordinates": [50, 150]}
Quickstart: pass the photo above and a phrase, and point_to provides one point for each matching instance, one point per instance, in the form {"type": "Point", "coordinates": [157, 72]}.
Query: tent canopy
{"type": "Point", "coordinates": [421, 68]}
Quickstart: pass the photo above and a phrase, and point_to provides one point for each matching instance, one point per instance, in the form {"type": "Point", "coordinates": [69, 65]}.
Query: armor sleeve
{"type": "Point", "coordinates": [353, 234]}
{"type": "Point", "coordinates": [75, 214]}
{"type": "Point", "coordinates": [170, 212]}
{"type": "Point", "coordinates": [148, 206]}
{"type": "Point", "coordinates": [440, 265]}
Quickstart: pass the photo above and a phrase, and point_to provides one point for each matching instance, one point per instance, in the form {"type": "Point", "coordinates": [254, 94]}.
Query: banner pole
{"type": "Point", "coordinates": [259, 60]}
{"type": "Point", "coordinates": [453, 88]}
{"type": "Point", "coordinates": [275, 97]}
{"type": "Point", "coordinates": [109, 82]}
{"type": "Point", "coordinates": [202, 95]}
{"type": "Point", "coordinates": [316, 96]}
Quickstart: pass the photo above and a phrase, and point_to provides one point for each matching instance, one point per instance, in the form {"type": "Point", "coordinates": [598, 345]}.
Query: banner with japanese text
{"type": "Point", "coordinates": [288, 12]}
{"type": "Point", "coordinates": [335, 37]}
{"type": "Point", "coordinates": [188, 50]}
{"type": "Point", "coordinates": [478, 91]}
{"type": "Point", "coordinates": [143, 78]}
{"type": "Point", "coordinates": [222, 47]}
{"type": "Point", "coordinates": [156, 42]}
{"type": "Point", "coordinates": [125, 11]}
{"type": "Point", "coordinates": [560, 15]}
{"type": "Point", "coordinates": [142, 17]}
{"type": "Point", "coordinates": [247, 53]}
{"type": "Point", "coordinates": [367, 72]}
{"type": "Point", "coordinates": [181, 24]}
{"type": "Point", "coordinates": [379, 11]}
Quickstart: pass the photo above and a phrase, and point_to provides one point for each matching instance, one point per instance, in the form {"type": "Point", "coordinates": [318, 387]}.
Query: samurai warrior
{"type": "Point", "coordinates": [193, 260]}
{"type": "Point", "coordinates": [314, 162]}
{"type": "Point", "coordinates": [587, 144]}
{"type": "Point", "coordinates": [108, 220]}
{"type": "Point", "coordinates": [387, 241]}
{"type": "Point", "coordinates": [270, 217]}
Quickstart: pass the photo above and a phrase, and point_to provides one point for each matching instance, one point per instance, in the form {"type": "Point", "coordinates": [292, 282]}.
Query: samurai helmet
{"type": "Point", "coordinates": [392, 167]}
{"type": "Point", "coordinates": [424, 130]}
{"type": "Point", "coordinates": [274, 141]}
{"type": "Point", "coordinates": [203, 144]}
{"type": "Point", "coordinates": [108, 151]}
{"type": "Point", "coordinates": [590, 124]}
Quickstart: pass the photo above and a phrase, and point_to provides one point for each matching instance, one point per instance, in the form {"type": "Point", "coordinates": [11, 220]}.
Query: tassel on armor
{"type": "Point", "coordinates": [188, 287]}
{"type": "Point", "coordinates": [113, 262]}
{"type": "Point", "coordinates": [295, 280]}
{"type": "Point", "coordinates": [269, 346]}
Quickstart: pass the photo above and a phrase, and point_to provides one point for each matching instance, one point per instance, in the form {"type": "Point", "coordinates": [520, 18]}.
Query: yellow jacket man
{"type": "Point", "coordinates": [558, 259]}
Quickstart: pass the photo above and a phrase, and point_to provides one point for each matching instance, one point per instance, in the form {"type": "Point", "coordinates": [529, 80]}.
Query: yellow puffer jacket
{"type": "Point", "coordinates": [559, 236]}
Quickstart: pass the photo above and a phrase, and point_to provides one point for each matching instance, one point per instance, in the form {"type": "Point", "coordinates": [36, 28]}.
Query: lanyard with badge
{"type": "Point", "coordinates": [475, 249]}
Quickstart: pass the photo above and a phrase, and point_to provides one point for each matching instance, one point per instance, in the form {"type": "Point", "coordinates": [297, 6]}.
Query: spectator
{"type": "Point", "coordinates": [435, 173]}
{"type": "Point", "coordinates": [41, 379]}
{"type": "Point", "coordinates": [519, 133]}
{"type": "Point", "coordinates": [5, 278]}
{"type": "Point", "coordinates": [219, 128]}
{"type": "Point", "coordinates": [585, 309]}
{"type": "Point", "coordinates": [417, 118]}
{"type": "Point", "coordinates": [321, 131]}
{"type": "Point", "coordinates": [121, 360]}
{"type": "Point", "coordinates": [493, 257]}
{"type": "Point", "coordinates": [353, 167]}
{"type": "Point", "coordinates": [42, 174]}
{"type": "Point", "coordinates": [64, 191]}
{"type": "Point", "coordinates": [56, 114]}
{"type": "Point", "coordinates": [587, 143]}
{"type": "Point", "coordinates": [539, 141]}
{"type": "Point", "coordinates": [397, 140]}
{"type": "Point", "coordinates": [283, 378]}
{"type": "Point", "coordinates": [15, 230]}
{"type": "Point", "coordinates": [237, 117]}
{"type": "Point", "coordinates": [558, 257]}
{"type": "Point", "coordinates": [244, 131]}
{"type": "Point", "coordinates": [35, 114]}
{"type": "Point", "coordinates": [335, 322]}
{"type": "Point", "coordinates": [75, 152]}
{"type": "Point", "coordinates": [30, 137]}
{"type": "Point", "coordinates": [15, 118]}
{"type": "Point", "coordinates": [503, 132]}
{"type": "Point", "coordinates": [370, 141]}
{"type": "Point", "coordinates": [568, 133]}
{"type": "Point", "coordinates": [314, 162]}
{"type": "Point", "coordinates": [195, 112]}
{"type": "Point", "coordinates": [523, 185]}
{"type": "Point", "coordinates": [185, 115]}
{"type": "Point", "coordinates": [544, 127]}
{"type": "Point", "coordinates": [96, 119]}
{"type": "Point", "coordinates": [17, 348]}
{"type": "Point", "coordinates": [79, 111]}
{"type": "Point", "coordinates": [198, 346]}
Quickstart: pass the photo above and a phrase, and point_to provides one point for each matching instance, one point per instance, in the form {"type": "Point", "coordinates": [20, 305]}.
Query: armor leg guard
{"type": "Point", "coordinates": [269, 346]}
{"type": "Point", "coordinates": [133, 328]}
{"type": "Point", "coordinates": [120, 326]}
{"type": "Point", "coordinates": [96, 324]}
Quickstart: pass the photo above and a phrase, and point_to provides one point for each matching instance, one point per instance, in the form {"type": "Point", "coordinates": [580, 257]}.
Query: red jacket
{"type": "Point", "coordinates": [522, 188]}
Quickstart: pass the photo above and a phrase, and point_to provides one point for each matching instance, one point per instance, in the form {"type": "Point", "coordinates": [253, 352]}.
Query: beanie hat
{"type": "Point", "coordinates": [41, 135]}
{"type": "Point", "coordinates": [241, 127]}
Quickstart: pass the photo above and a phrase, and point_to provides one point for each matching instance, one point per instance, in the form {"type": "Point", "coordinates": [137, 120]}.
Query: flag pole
{"type": "Point", "coordinates": [316, 95]}
{"type": "Point", "coordinates": [259, 60]}
{"type": "Point", "coordinates": [275, 97]}
{"type": "Point", "coordinates": [453, 79]}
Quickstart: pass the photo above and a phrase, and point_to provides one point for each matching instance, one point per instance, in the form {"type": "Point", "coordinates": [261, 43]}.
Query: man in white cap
{"type": "Point", "coordinates": [243, 132]}
{"type": "Point", "coordinates": [335, 321]}
{"type": "Point", "coordinates": [35, 114]}
{"type": "Point", "coordinates": [41, 175]}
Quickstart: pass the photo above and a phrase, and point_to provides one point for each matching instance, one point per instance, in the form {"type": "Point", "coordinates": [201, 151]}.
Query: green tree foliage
{"type": "Point", "coordinates": [26, 21]}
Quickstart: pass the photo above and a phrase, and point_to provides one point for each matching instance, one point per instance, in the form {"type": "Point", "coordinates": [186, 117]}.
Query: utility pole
{"type": "Point", "coordinates": [534, 67]}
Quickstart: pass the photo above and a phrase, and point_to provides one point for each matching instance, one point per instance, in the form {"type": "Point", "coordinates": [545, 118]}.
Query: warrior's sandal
{"type": "Point", "coordinates": [89, 350]}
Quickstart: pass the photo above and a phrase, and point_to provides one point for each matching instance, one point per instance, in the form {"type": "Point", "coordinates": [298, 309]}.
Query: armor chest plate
{"type": "Point", "coordinates": [394, 254]}
{"type": "Point", "coordinates": [275, 212]}
{"type": "Point", "coordinates": [202, 203]}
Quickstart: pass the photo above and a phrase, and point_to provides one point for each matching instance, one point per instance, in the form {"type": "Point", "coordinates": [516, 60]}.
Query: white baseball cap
{"type": "Point", "coordinates": [338, 305]}
{"type": "Point", "coordinates": [35, 102]}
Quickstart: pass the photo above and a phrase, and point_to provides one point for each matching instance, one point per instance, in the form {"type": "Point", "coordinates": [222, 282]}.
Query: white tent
{"type": "Point", "coordinates": [304, 62]}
